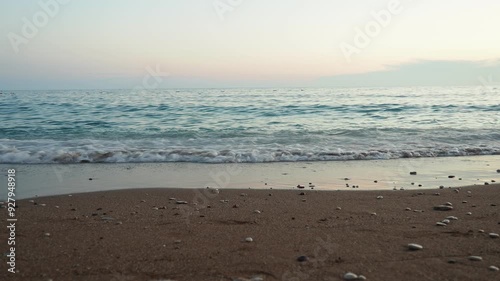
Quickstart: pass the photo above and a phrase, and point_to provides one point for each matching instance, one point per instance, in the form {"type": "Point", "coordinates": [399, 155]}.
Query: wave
{"type": "Point", "coordinates": [38, 152]}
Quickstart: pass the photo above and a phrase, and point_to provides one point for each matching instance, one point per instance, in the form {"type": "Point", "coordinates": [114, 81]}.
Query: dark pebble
{"type": "Point", "coordinates": [90, 179]}
{"type": "Point", "coordinates": [450, 177]}
{"type": "Point", "coordinates": [413, 173]}
{"type": "Point", "coordinates": [302, 258]}
{"type": "Point", "coordinates": [302, 193]}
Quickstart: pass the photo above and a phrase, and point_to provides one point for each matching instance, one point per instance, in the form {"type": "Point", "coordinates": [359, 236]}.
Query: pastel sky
{"type": "Point", "coordinates": [245, 43]}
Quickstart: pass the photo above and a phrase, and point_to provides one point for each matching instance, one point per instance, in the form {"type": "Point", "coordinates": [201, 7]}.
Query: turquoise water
{"type": "Point", "coordinates": [247, 125]}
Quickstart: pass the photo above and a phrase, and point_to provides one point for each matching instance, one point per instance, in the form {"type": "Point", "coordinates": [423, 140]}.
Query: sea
{"type": "Point", "coordinates": [258, 125]}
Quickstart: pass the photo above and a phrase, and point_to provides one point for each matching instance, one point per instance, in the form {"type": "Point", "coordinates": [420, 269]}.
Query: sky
{"type": "Point", "coordinates": [89, 44]}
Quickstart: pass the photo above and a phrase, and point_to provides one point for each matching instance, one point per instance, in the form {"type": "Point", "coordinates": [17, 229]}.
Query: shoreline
{"type": "Point", "coordinates": [142, 234]}
{"type": "Point", "coordinates": [52, 179]}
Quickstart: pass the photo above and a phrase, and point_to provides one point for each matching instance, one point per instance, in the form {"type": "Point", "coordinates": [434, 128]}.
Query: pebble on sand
{"type": "Point", "coordinates": [338, 208]}
{"type": "Point", "coordinates": [249, 239]}
{"type": "Point", "coordinates": [440, 223]}
{"type": "Point", "coordinates": [413, 173]}
{"type": "Point", "coordinates": [302, 258]}
{"type": "Point", "coordinates": [443, 208]}
{"type": "Point", "coordinates": [181, 202]}
{"type": "Point", "coordinates": [380, 197]}
{"type": "Point", "coordinates": [493, 268]}
{"type": "Point", "coordinates": [350, 276]}
{"type": "Point", "coordinates": [493, 235]}
{"type": "Point", "coordinates": [475, 258]}
{"type": "Point", "coordinates": [452, 218]}
{"type": "Point", "coordinates": [414, 247]}
{"type": "Point", "coordinates": [469, 213]}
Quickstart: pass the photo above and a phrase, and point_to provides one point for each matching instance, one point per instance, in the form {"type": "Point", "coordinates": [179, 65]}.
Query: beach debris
{"type": "Point", "coordinates": [172, 199]}
{"type": "Point", "coordinates": [413, 173]}
{"type": "Point", "coordinates": [350, 276]}
{"type": "Point", "coordinates": [475, 258]}
{"type": "Point", "coordinates": [452, 218]}
{"type": "Point", "coordinates": [302, 193]}
{"type": "Point", "coordinates": [440, 223]}
{"type": "Point", "coordinates": [235, 206]}
{"type": "Point", "coordinates": [257, 211]}
{"type": "Point", "coordinates": [373, 214]}
{"type": "Point", "coordinates": [375, 181]}
{"type": "Point", "coordinates": [311, 185]}
{"type": "Point", "coordinates": [119, 223]}
{"type": "Point", "coordinates": [395, 188]}
{"type": "Point", "coordinates": [300, 186]}
{"type": "Point", "coordinates": [448, 204]}
{"type": "Point", "coordinates": [493, 205]}
{"type": "Point", "coordinates": [249, 239]}
{"type": "Point", "coordinates": [441, 187]}
{"type": "Point", "coordinates": [447, 221]}
{"type": "Point", "coordinates": [180, 202]}
{"type": "Point", "coordinates": [338, 208]}
{"type": "Point", "coordinates": [46, 234]}
{"type": "Point", "coordinates": [464, 202]}
{"type": "Point", "coordinates": [380, 197]}
{"type": "Point", "coordinates": [443, 208]}
{"type": "Point", "coordinates": [493, 268]}
{"type": "Point", "coordinates": [419, 185]}
{"type": "Point", "coordinates": [302, 258]}
{"type": "Point", "coordinates": [408, 209]}
{"type": "Point", "coordinates": [361, 277]}
{"type": "Point", "coordinates": [451, 176]}
{"type": "Point", "coordinates": [414, 247]}
{"type": "Point", "coordinates": [493, 235]}
{"type": "Point", "coordinates": [480, 231]}
{"type": "Point", "coordinates": [90, 179]}
{"type": "Point", "coordinates": [469, 213]}
{"type": "Point", "coordinates": [486, 183]}
{"type": "Point", "coordinates": [346, 179]}
{"type": "Point", "coordinates": [498, 170]}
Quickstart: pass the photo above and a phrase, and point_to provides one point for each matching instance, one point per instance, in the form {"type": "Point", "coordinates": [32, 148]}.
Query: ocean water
{"type": "Point", "coordinates": [247, 125]}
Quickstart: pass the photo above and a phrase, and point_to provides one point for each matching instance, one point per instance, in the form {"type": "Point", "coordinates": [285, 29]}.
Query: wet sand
{"type": "Point", "coordinates": [141, 234]}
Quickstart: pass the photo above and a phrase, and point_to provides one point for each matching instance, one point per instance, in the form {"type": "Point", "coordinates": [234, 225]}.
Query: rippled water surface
{"type": "Point", "coordinates": [247, 125]}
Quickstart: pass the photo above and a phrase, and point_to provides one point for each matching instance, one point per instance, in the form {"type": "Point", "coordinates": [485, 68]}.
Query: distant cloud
{"type": "Point", "coordinates": [421, 73]}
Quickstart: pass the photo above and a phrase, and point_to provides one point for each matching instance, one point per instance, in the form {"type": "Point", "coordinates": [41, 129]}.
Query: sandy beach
{"type": "Point", "coordinates": [202, 234]}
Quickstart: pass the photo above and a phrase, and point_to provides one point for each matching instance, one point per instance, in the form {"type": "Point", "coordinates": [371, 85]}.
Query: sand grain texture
{"type": "Point", "coordinates": [120, 235]}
